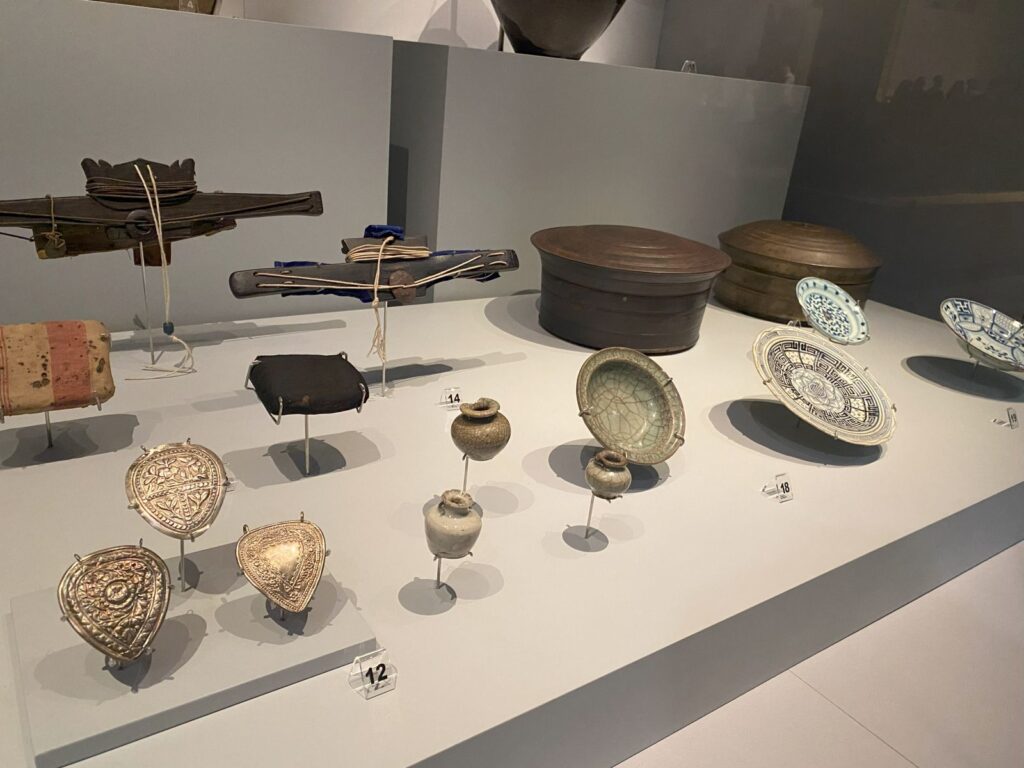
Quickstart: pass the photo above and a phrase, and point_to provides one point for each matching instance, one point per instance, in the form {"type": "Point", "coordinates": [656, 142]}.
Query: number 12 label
{"type": "Point", "coordinates": [377, 674]}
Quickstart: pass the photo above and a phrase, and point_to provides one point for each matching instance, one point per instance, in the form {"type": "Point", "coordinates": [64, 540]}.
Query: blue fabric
{"type": "Point", "coordinates": [383, 230]}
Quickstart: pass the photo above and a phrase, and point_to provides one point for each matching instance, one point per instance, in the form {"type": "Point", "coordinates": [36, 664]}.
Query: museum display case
{"type": "Point", "coordinates": [662, 381]}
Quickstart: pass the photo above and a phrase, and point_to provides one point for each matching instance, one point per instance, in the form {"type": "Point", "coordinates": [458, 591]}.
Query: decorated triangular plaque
{"type": "Point", "coordinates": [178, 488]}
{"type": "Point", "coordinates": [116, 599]}
{"type": "Point", "coordinates": [284, 561]}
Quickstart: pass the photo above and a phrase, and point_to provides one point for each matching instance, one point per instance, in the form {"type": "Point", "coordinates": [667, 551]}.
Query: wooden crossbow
{"type": "Point", "coordinates": [399, 280]}
{"type": "Point", "coordinates": [115, 214]}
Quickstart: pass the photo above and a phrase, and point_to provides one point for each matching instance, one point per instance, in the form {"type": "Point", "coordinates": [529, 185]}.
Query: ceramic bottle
{"type": "Point", "coordinates": [608, 475]}
{"type": "Point", "coordinates": [453, 525]}
{"type": "Point", "coordinates": [480, 431]}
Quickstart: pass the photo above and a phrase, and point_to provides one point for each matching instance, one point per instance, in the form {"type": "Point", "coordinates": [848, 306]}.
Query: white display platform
{"type": "Point", "coordinates": [548, 655]}
{"type": "Point", "coordinates": [217, 647]}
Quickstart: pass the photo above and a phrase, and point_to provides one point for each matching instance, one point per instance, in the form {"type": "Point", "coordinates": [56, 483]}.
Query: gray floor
{"type": "Point", "coordinates": [937, 684]}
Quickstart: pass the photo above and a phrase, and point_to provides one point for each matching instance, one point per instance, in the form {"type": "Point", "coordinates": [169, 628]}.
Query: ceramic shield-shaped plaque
{"type": "Point", "coordinates": [284, 561]}
{"type": "Point", "coordinates": [116, 599]}
{"type": "Point", "coordinates": [178, 488]}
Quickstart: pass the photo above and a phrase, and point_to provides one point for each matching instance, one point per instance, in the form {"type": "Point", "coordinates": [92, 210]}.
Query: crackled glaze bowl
{"type": "Point", "coordinates": [986, 334]}
{"type": "Point", "coordinates": [630, 405]}
{"type": "Point", "coordinates": [831, 311]}
{"type": "Point", "coordinates": [824, 386]}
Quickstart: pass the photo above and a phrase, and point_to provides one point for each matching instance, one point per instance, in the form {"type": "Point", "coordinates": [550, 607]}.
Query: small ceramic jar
{"type": "Point", "coordinates": [453, 525]}
{"type": "Point", "coordinates": [608, 475]}
{"type": "Point", "coordinates": [480, 431]}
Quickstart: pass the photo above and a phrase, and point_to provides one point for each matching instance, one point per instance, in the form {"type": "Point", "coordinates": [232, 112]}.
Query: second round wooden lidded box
{"type": "Point", "coordinates": [607, 286]}
{"type": "Point", "coordinates": [770, 257]}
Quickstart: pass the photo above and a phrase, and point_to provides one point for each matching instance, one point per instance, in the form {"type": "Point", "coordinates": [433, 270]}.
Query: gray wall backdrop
{"type": "Point", "coordinates": [530, 142]}
{"type": "Point", "coordinates": [261, 107]}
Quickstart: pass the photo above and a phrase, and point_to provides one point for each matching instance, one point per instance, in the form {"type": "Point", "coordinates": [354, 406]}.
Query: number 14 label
{"type": "Point", "coordinates": [451, 398]}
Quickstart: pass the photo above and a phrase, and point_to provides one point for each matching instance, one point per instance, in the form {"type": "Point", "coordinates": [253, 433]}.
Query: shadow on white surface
{"type": "Point", "coordinates": [582, 539]}
{"type": "Point", "coordinates": [500, 499]}
{"type": "Point", "coordinates": [768, 427]}
{"type": "Point", "coordinates": [211, 571]}
{"type": "Point", "coordinates": [566, 463]}
{"type": "Point", "coordinates": [285, 462]}
{"type": "Point", "coordinates": [415, 371]}
{"type": "Point", "coordinates": [79, 672]}
{"type": "Point", "coordinates": [424, 598]}
{"type": "Point", "coordinates": [475, 581]}
{"type": "Point", "coordinates": [253, 617]}
{"type": "Point", "coordinates": [621, 527]}
{"type": "Point", "coordinates": [72, 439]}
{"type": "Point", "coordinates": [518, 315]}
{"type": "Point", "coordinates": [215, 333]}
{"type": "Point", "coordinates": [963, 376]}
{"type": "Point", "coordinates": [240, 398]}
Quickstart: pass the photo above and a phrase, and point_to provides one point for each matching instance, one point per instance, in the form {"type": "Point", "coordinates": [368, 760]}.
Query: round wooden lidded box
{"type": "Point", "coordinates": [615, 286]}
{"type": "Point", "coordinates": [770, 257]}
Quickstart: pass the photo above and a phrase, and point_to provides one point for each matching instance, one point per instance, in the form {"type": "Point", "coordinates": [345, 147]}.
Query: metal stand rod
{"type": "Point", "coordinates": [501, 39]}
{"type": "Point", "coordinates": [181, 564]}
{"type": "Point", "coordinates": [590, 514]}
{"type": "Point", "coordinates": [974, 370]}
{"type": "Point", "coordinates": [307, 443]}
{"type": "Point", "coordinates": [465, 473]}
{"type": "Point", "coordinates": [145, 301]}
{"type": "Point", "coordinates": [384, 362]}
{"type": "Point", "coordinates": [437, 580]}
{"type": "Point", "coordinates": [49, 430]}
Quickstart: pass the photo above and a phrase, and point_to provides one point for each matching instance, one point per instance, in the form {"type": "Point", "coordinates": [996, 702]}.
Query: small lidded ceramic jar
{"type": "Point", "coordinates": [608, 475]}
{"type": "Point", "coordinates": [453, 525]}
{"type": "Point", "coordinates": [480, 431]}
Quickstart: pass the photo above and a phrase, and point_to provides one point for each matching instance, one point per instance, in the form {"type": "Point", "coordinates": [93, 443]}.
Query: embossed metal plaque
{"type": "Point", "coordinates": [178, 488]}
{"type": "Point", "coordinates": [116, 599]}
{"type": "Point", "coordinates": [284, 561]}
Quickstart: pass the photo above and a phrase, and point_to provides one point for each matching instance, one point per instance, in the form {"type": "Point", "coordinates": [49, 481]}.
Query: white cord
{"type": "Point", "coordinates": [379, 342]}
{"type": "Point", "coordinates": [186, 365]}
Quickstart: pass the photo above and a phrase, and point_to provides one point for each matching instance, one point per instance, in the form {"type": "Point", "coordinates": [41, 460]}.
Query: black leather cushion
{"type": "Point", "coordinates": [308, 384]}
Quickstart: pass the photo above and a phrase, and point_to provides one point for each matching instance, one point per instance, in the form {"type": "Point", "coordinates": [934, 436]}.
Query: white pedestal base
{"type": "Point", "coordinates": [218, 647]}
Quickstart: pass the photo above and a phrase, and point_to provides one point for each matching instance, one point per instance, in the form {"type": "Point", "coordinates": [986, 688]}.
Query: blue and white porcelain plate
{"type": "Point", "coordinates": [824, 386]}
{"type": "Point", "coordinates": [831, 311]}
{"type": "Point", "coordinates": [986, 334]}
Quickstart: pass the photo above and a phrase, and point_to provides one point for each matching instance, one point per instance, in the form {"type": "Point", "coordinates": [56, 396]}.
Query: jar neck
{"type": "Point", "coordinates": [456, 503]}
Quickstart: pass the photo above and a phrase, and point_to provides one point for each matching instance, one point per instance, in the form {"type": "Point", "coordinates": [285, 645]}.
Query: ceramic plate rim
{"type": "Point", "coordinates": [655, 454]}
{"type": "Point", "coordinates": [888, 422]}
{"type": "Point", "coordinates": [972, 348]}
{"type": "Point", "coordinates": [802, 289]}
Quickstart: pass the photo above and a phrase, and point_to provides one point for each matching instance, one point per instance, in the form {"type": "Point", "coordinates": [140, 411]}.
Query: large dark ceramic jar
{"type": "Point", "coordinates": [561, 28]}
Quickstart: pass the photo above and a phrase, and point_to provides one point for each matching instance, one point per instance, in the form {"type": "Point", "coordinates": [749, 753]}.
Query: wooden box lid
{"type": "Point", "coordinates": [631, 249]}
{"type": "Point", "coordinates": [801, 243]}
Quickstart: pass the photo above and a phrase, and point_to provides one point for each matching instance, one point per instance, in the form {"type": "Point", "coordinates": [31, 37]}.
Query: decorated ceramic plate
{"type": "Point", "coordinates": [631, 405]}
{"type": "Point", "coordinates": [832, 311]}
{"type": "Point", "coordinates": [986, 334]}
{"type": "Point", "coordinates": [824, 386]}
